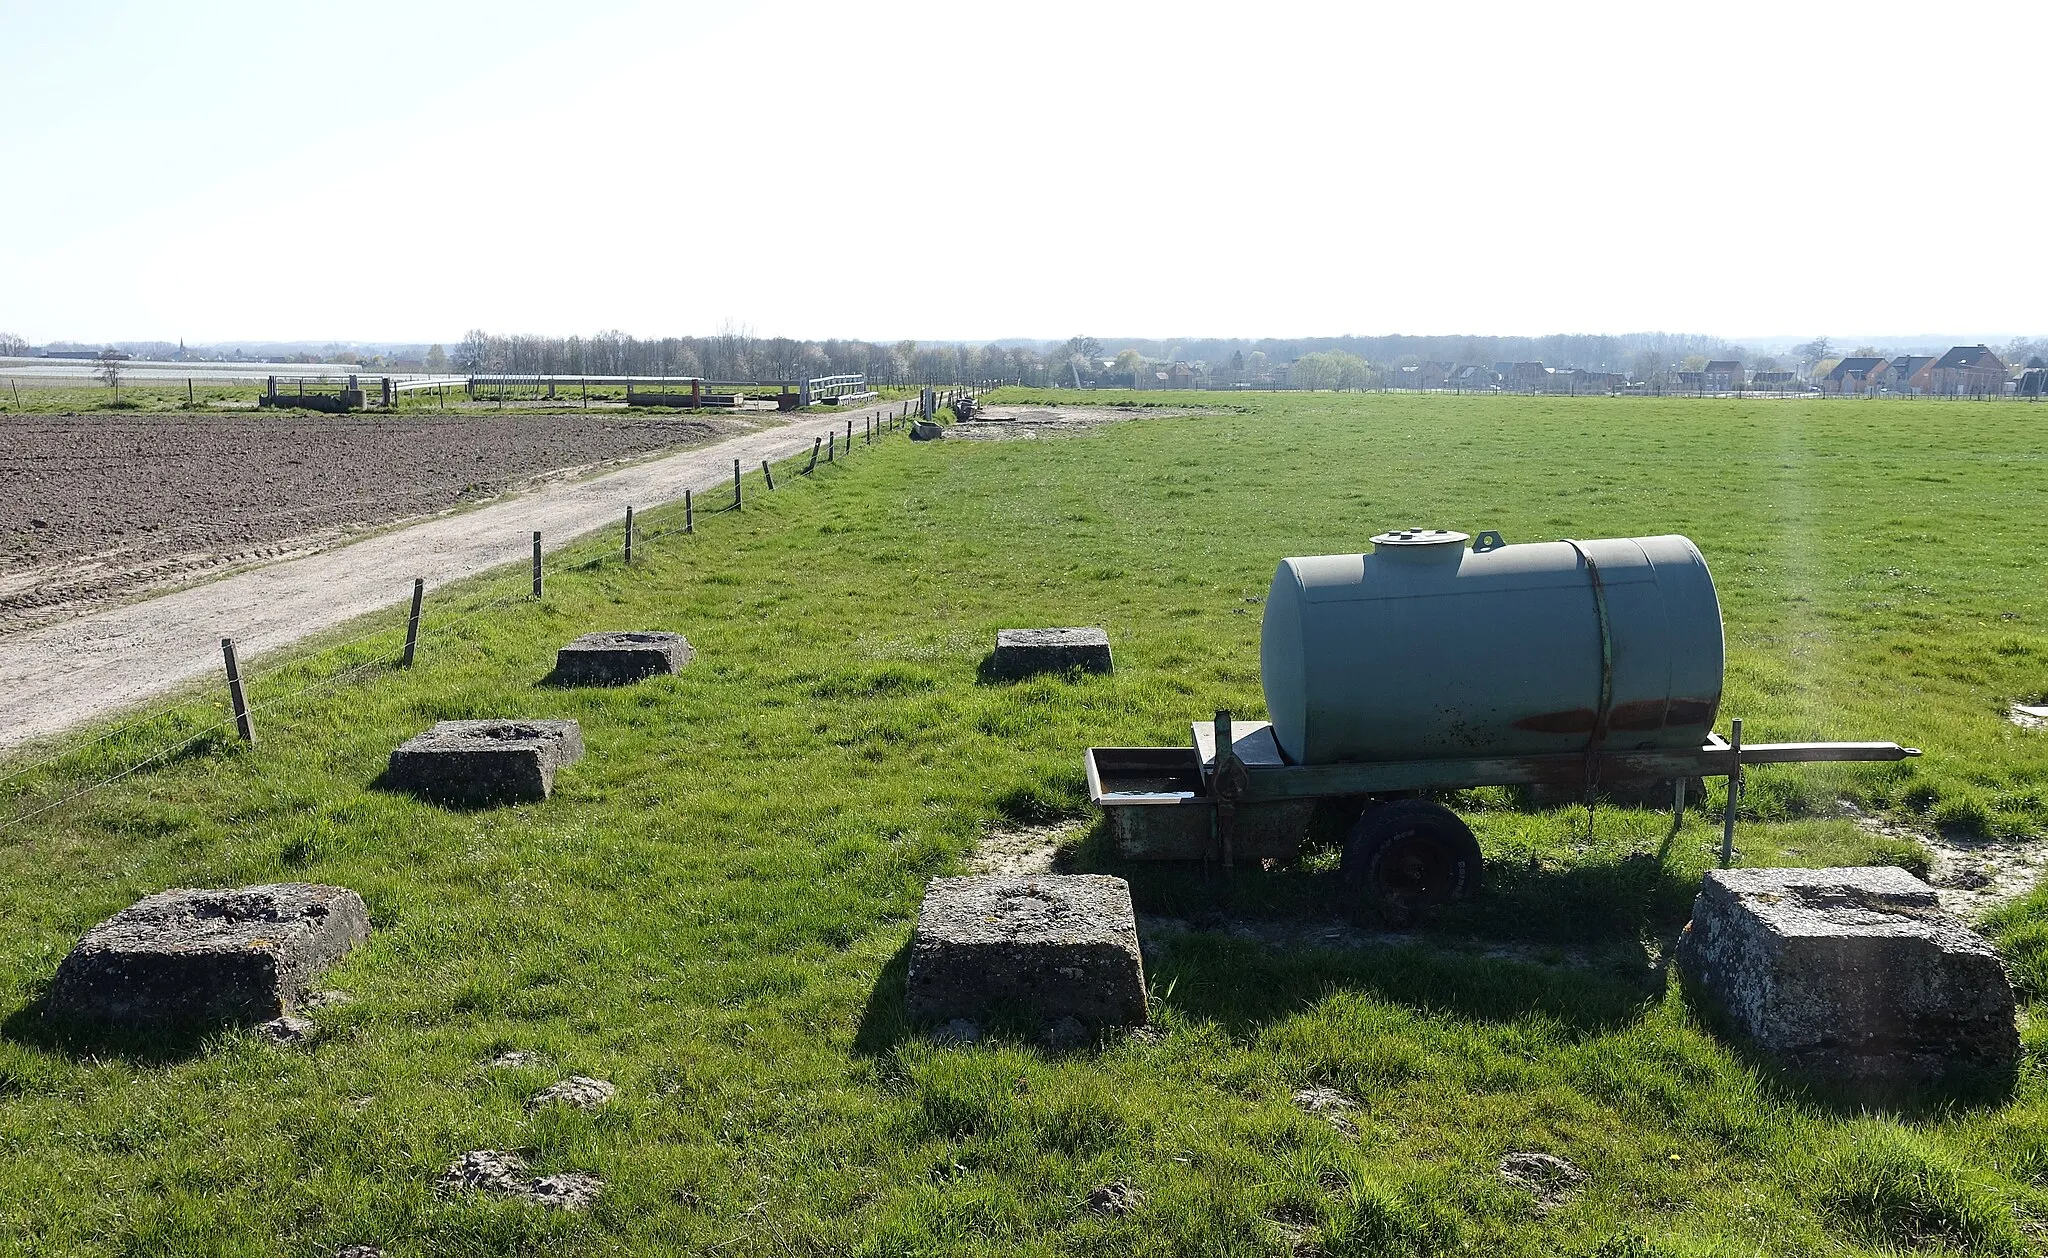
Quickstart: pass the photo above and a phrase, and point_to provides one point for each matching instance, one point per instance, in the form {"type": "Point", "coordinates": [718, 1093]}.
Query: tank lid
{"type": "Point", "coordinates": [1422, 537]}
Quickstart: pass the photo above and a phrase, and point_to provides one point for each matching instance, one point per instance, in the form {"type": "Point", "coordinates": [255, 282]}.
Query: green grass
{"type": "Point", "coordinates": [712, 910]}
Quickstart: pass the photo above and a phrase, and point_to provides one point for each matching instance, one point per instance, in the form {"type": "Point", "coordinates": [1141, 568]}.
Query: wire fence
{"type": "Point", "coordinates": [253, 696]}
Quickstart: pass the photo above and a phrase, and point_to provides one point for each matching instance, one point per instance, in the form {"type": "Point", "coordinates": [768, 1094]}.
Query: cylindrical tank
{"type": "Point", "coordinates": [1425, 649]}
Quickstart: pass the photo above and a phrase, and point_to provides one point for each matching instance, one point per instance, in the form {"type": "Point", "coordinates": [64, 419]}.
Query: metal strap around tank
{"type": "Point", "coordinates": [1600, 714]}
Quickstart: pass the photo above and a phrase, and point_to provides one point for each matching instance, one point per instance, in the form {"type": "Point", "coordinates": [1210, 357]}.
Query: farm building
{"type": "Point", "coordinates": [1966, 371]}
{"type": "Point", "coordinates": [1899, 373]}
{"type": "Point", "coordinates": [1854, 375]}
{"type": "Point", "coordinates": [1474, 378]}
{"type": "Point", "coordinates": [2033, 383]}
{"type": "Point", "coordinates": [1725, 375]}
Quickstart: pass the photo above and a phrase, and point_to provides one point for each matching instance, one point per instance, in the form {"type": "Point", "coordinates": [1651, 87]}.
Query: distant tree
{"type": "Point", "coordinates": [1865, 351]}
{"type": "Point", "coordinates": [1814, 350]}
{"type": "Point", "coordinates": [1083, 347]}
{"type": "Point", "coordinates": [1237, 364]}
{"type": "Point", "coordinates": [475, 353]}
{"type": "Point", "coordinates": [12, 346]}
{"type": "Point", "coordinates": [1693, 362]}
{"type": "Point", "coordinates": [437, 359]}
{"type": "Point", "coordinates": [109, 370]}
{"type": "Point", "coordinates": [1766, 363]}
{"type": "Point", "coordinates": [1648, 367]}
{"type": "Point", "coordinates": [1129, 363]}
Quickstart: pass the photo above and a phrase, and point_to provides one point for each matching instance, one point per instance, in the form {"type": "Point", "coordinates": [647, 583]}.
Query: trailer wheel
{"type": "Point", "coordinates": [1411, 850]}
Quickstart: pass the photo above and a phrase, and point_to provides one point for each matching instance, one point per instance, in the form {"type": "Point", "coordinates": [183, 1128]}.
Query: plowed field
{"type": "Point", "coordinates": [101, 507]}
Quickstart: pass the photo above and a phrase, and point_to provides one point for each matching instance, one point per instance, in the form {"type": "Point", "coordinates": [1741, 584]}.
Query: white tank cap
{"type": "Point", "coordinates": [1421, 537]}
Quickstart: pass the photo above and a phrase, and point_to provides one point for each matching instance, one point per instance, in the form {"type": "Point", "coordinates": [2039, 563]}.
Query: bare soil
{"type": "Point", "coordinates": [99, 508]}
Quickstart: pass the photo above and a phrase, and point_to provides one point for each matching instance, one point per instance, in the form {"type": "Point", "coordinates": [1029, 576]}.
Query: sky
{"type": "Point", "coordinates": [381, 171]}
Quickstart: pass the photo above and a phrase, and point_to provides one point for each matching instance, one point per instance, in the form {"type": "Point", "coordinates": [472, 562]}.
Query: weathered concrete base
{"type": "Point", "coordinates": [476, 764]}
{"type": "Point", "coordinates": [926, 430]}
{"type": "Point", "coordinates": [616, 659]}
{"type": "Point", "coordinates": [245, 955]}
{"type": "Point", "coordinates": [1022, 652]}
{"type": "Point", "coordinates": [1047, 946]}
{"type": "Point", "coordinates": [1854, 974]}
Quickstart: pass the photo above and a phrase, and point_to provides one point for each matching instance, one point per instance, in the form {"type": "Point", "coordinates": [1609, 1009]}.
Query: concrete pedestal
{"type": "Point", "coordinates": [477, 764]}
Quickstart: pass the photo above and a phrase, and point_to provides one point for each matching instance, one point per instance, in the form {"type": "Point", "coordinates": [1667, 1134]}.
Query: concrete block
{"type": "Point", "coordinates": [477, 764]}
{"type": "Point", "coordinates": [614, 659]}
{"type": "Point", "coordinates": [925, 430]}
{"type": "Point", "coordinates": [244, 955]}
{"type": "Point", "coordinates": [1022, 652]}
{"type": "Point", "coordinates": [1047, 945]}
{"type": "Point", "coordinates": [1856, 974]}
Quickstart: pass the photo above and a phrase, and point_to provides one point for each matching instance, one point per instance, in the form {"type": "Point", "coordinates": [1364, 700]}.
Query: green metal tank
{"type": "Point", "coordinates": [1426, 649]}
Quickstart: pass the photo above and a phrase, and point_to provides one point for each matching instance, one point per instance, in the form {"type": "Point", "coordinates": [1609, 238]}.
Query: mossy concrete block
{"type": "Point", "coordinates": [243, 955]}
{"type": "Point", "coordinates": [1022, 652]}
{"type": "Point", "coordinates": [617, 659]}
{"type": "Point", "coordinates": [478, 764]}
{"type": "Point", "coordinates": [1047, 946]}
{"type": "Point", "coordinates": [1855, 974]}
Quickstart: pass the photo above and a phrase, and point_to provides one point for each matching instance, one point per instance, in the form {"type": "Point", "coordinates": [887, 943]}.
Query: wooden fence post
{"type": "Point", "coordinates": [737, 502]}
{"type": "Point", "coordinates": [767, 472]}
{"type": "Point", "coordinates": [831, 444]}
{"type": "Point", "coordinates": [536, 563]}
{"type": "Point", "coordinates": [815, 443]}
{"type": "Point", "coordinates": [629, 534]}
{"type": "Point", "coordinates": [689, 513]}
{"type": "Point", "coordinates": [236, 695]}
{"type": "Point", "coordinates": [412, 622]}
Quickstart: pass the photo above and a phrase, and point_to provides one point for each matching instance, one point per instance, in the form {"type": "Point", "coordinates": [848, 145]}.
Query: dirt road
{"type": "Point", "coordinates": [95, 665]}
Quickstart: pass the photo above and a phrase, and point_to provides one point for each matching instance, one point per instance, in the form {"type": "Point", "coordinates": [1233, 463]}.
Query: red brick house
{"type": "Point", "coordinates": [1967, 371]}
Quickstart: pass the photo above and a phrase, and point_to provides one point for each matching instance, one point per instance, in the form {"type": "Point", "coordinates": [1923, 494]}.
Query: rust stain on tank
{"type": "Point", "coordinates": [1574, 721]}
{"type": "Point", "coordinates": [1643, 714]}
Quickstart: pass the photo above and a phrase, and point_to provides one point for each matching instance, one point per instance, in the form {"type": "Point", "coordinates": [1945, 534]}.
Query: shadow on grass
{"type": "Point", "coordinates": [31, 1026]}
{"type": "Point", "coordinates": [884, 1021]}
{"type": "Point", "coordinates": [1831, 1092]}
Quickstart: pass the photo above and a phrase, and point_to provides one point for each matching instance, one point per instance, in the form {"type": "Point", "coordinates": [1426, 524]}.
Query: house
{"type": "Point", "coordinates": [1473, 378]}
{"type": "Point", "coordinates": [1525, 377]}
{"type": "Point", "coordinates": [1423, 376]}
{"type": "Point", "coordinates": [1854, 375]}
{"type": "Point", "coordinates": [1898, 376]}
{"type": "Point", "coordinates": [1966, 371]}
{"type": "Point", "coordinates": [1689, 381]}
{"type": "Point", "coordinates": [1724, 376]}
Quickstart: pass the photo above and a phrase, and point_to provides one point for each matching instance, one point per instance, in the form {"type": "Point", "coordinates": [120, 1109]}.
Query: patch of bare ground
{"type": "Point", "coordinates": [2028, 715]}
{"type": "Point", "coordinates": [1016, 849]}
{"type": "Point", "coordinates": [1159, 934]}
{"type": "Point", "coordinates": [1029, 423]}
{"type": "Point", "coordinates": [1971, 874]}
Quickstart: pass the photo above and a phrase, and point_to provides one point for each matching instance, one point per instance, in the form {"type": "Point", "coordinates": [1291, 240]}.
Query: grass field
{"type": "Point", "coordinates": [712, 911]}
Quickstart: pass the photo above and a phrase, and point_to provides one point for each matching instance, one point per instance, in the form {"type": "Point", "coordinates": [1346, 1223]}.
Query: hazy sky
{"type": "Point", "coordinates": [379, 170]}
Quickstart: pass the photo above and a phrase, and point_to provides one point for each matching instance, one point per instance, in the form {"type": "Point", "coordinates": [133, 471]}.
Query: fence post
{"type": "Point", "coordinates": [243, 725]}
{"type": "Point", "coordinates": [765, 471]}
{"type": "Point", "coordinates": [536, 563]}
{"type": "Point", "coordinates": [1734, 792]}
{"type": "Point", "coordinates": [629, 534]}
{"type": "Point", "coordinates": [412, 621]}
{"type": "Point", "coordinates": [815, 443]}
{"type": "Point", "coordinates": [831, 444]}
{"type": "Point", "coordinates": [849, 436]}
{"type": "Point", "coordinates": [689, 513]}
{"type": "Point", "coordinates": [737, 502]}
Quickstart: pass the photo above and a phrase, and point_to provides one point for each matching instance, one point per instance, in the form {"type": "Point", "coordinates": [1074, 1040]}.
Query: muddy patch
{"type": "Point", "coordinates": [1029, 423]}
{"type": "Point", "coordinates": [1971, 875]}
{"type": "Point", "coordinates": [1011, 849]}
{"type": "Point", "coordinates": [2028, 715]}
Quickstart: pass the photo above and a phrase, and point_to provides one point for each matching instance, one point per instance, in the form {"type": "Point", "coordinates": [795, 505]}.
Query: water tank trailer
{"type": "Point", "coordinates": [1430, 666]}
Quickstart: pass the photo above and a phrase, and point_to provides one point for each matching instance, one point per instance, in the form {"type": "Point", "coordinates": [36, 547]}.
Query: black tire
{"type": "Point", "coordinates": [1411, 851]}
